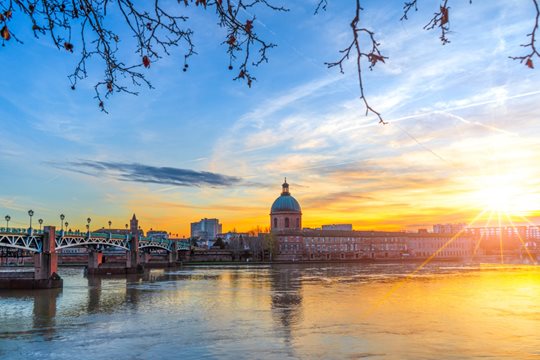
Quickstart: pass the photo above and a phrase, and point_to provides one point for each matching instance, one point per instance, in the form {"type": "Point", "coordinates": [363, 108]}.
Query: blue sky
{"type": "Point", "coordinates": [463, 125]}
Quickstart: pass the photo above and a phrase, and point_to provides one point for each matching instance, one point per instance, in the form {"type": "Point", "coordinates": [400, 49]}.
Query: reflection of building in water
{"type": "Point", "coordinates": [339, 242]}
{"type": "Point", "coordinates": [286, 295]}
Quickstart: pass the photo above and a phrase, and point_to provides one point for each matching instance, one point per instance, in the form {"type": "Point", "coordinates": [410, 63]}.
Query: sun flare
{"type": "Point", "coordinates": [508, 194]}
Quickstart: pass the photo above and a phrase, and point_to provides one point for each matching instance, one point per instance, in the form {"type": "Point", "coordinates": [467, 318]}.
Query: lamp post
{"type": "Point", "coordinates": [88, 225]}
{"type": "Point", "coordinates": [66, 223]}
{"type": "Point", "coordinates": [7, 221]}
{"type": "Point", "coordinates": [40, 221]}
{"type": "Point", "coordinates": [30, 213]}
{"type": "Point", "coordinates": [62, 217]}
{"type": "Point", "coordinates": [110, 223]}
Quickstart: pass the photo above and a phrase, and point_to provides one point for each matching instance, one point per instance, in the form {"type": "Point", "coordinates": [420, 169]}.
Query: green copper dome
{"type": "Point", "coordinates": [285, 203]}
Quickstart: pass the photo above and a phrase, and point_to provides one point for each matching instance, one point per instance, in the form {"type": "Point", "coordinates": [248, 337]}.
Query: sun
{"type": "Point", "coordinates": [505, 193]}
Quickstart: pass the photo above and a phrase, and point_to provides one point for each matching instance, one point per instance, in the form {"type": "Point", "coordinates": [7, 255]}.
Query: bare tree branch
{"type": "Point", "coordinates": [155, 29]}
{"type": "Point", "coordinates": [81, 26]}
{"type": "Point", "coordinates": [440, 20]}
{"type": "Point", "coordinates": [528, 58]}
{"type": "Point", "coordinates": [321, 6]}
{"type": "Point", "coordinates": [374, 56]}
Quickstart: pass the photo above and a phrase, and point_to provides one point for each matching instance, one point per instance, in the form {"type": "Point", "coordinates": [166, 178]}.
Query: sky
{"type": "Point", "coordinates": [462, 139]}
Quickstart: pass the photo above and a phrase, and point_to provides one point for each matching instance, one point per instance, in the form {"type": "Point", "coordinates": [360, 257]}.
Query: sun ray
{"type": "Point", "coordinates": [487, 224]}
{"type": "Point", "coordinates": [500, 236]}
{"type": "Point", "coordinates": [527, 220]}
{"type": "Point", "coordinates": [399, 284]}
{"type": "Point", "coordinates": [520, 239]}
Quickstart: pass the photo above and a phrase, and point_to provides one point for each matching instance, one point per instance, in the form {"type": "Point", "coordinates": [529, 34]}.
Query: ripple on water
{"type": "Point", "coordinates": [290, 311]}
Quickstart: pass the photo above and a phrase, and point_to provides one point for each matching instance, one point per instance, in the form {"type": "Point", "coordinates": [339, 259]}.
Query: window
{"type": "Point", "coordinates": [275, 222]}
{"type": "Point", "coordinates": [298, 222]}
{"type": "Point", "coordinates": [286, 222]}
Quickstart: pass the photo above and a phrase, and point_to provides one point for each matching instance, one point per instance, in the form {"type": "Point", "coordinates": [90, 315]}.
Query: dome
{"type": "Point", "coordinates": [285, 203]}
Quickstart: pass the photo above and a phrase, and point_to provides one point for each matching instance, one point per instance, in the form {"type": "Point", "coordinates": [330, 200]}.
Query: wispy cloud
{"type": "Point", "coordinates": [141, 173]}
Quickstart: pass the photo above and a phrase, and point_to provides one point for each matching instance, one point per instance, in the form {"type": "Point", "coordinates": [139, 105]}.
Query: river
{"type": "Point", "coordinates": [316, 311]}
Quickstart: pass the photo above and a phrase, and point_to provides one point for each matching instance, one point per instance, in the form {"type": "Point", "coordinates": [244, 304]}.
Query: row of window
{"type": "Point", "coordinates": [430, 245]}
{"type": "Point", "coordinates": [287, 222]}
{"type": "Point", "coordinates": [343, 247]}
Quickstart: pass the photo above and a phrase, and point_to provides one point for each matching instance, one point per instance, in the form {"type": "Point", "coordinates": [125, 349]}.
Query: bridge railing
{"type": "Point", "coordinates": [13, 230]}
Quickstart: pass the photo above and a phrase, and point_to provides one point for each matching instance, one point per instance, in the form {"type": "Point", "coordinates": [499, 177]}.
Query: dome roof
{"type": "Point", "coordinates": [285, 203]}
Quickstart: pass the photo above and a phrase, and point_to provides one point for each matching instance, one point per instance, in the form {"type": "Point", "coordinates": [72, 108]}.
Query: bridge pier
{"type": "Point", "coordinates": [133, 265]}
{"type": "Point", "coordinates": [46, 262]}
{"type": "Point", "coordinates": [172, 257]}
{"type": "Point", "coordinates": [45, 268]}
{"type": "Point", "coordinates": [145, 257]}
{"type": "Point", "coordinates": [95, 259]}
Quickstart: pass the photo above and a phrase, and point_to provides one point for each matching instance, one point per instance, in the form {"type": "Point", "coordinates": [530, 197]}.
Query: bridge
{"type": "Point", "coordinates": [32, 240]}
{"type": "Point", "coordinates": [45, 245]}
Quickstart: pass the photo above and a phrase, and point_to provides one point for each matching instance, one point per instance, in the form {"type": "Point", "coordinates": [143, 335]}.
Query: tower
{"type": "Point", "coordinates": [285, 213]}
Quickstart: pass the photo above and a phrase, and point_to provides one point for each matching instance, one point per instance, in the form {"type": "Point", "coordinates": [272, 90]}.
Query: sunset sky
{"type": "Point", "coordinates": [463, 132]}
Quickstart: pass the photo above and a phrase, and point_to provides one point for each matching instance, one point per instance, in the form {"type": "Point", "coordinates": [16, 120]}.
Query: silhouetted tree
{"type": "Point", "coordinates": [219, 242]}
{"type": "Point", "coordinates": [270, 245]}
{"type": "Point", "coordinates": [83, 26]}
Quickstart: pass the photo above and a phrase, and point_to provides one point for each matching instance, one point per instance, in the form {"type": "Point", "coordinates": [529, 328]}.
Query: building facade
{"type": "Point", "coordinates": [206, 229]}
{"type": "Point", "coordinates": [341, 242]}
{"type": "Point", "coordinates": [350, 245]}
{"type": "Point", "coordinates": [342, 227]}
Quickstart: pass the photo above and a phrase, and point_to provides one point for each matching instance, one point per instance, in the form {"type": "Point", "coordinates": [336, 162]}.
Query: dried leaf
{"type": "Point", "coordinates": [146, 61]}
{"type": "Point", "coordinates": [68, 46]}
{"type": "Point", "coordinates": [5, 33]}
{"type": "Point", "coordinates": [249, 26]}
{"type": "Point", "coordinates": [529, 63]}
{"type": "Point", "coordinates": [444, 15]}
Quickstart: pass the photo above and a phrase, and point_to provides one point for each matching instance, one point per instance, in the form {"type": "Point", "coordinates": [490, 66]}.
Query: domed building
{"type": "Point", "coordinates": [285, 213]}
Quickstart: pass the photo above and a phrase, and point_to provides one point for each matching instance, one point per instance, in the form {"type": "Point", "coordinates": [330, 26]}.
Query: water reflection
{"type": "Point", "coordinates": [44, 314]}
{"type": "Point", "coordinates": [284, 311]}
{"type": "Point", "coordinates": [43, 305]}
{"type": "Point", "coordinates": [286, 297]}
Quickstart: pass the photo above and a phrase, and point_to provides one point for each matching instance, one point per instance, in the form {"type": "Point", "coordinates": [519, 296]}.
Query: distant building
{"type": "Point", "coordinates": [132, 228]}
{"type": "Point", "coordinates": [157, 234]}
{"type": "Point", "coordinates": [229, 236]}
{"type": "Point", "coordinates": [342, 227]}
{"type": "Point", "coordinates": [448, 228]}
{"type": "Point", "coordinates": [206, 229]}
{"type": "Point", "coordinates": [340, 242]}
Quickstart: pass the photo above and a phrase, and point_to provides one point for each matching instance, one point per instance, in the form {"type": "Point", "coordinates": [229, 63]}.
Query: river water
{"type": "Point", "coordinates": [314, 311]}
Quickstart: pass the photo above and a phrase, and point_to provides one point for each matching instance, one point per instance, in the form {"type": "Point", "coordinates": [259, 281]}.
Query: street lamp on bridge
{"type": "Point", "coordinates": [7, 221]}
{"type": "Point", "coordinates": [30, 213]}
{"type": "Point", "coordinates": [40, 221]}
{"type": "Point", "coordinates": [110, 223]}
{"type": "Point", "coordinates": [88, 225]}
{"type": "Point", "coordinates": [62, 217]}
{"type": "Point", "coordinates": [66, 223]}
